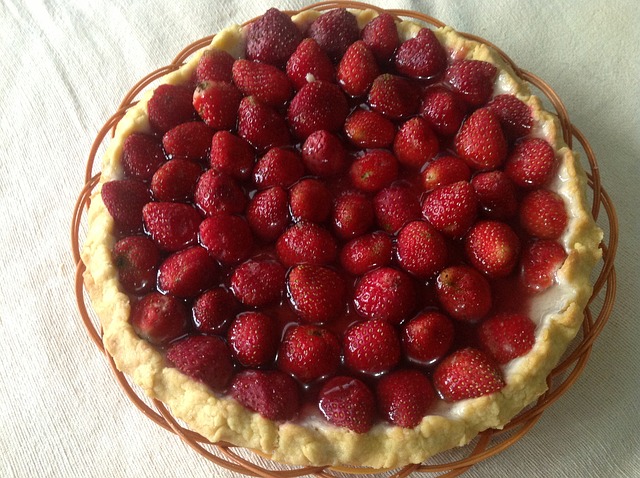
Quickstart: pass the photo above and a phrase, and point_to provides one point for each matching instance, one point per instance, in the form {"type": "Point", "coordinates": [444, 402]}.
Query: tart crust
{"type": "Point", "coordinates": [558, 312]}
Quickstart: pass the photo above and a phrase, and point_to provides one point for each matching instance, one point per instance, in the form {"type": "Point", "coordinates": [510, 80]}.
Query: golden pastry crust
{"type": "Point", "coordinates": [558, 312]}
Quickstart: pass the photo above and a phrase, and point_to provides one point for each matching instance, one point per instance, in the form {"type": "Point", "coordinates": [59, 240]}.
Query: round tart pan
{"type": "Point", "coordinates": [453, 462]}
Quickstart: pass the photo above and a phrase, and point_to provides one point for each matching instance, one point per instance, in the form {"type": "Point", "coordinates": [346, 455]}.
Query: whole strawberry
{"type": "Point", "coordinates": [507, 336]}
{"type": "Point", "coordinates": [422, 56]}
{"type": "Point", "coordinates": [170, 106]}
{"type": "Point", "coordinates": [253, 337]}
{"type": "Point", "coordinates": [268, 213]}
{"type": "Point", "coordinates": [159, 318]}
{"type": "Point", "coordinates": [386, 294]}
{"type": "Point", "coordinates": [309, 353]}
{"type": "Point", "coordinates": [272, 38]}
{"type": "Point", "coordinates": [317, 105]}
{"type": "Point", "coordinates": [374, 170]}
{"type": "Point", "coordinates": [257, 283]}
{"type": "Point", "coordinates": [464, 293]}
{"type": "Point", "coordinates": [514, 115]}
{"type": "Point", "coordinates": [366, 252]}
{"type": "Point", "coordinates": [137, 259]}
{"type": "Point", "coordinates": [227, 238]}
{"type": "Point", "coordinates": [357, 69]}
{"type": "Point", "coordinates": [214, 65]}
{"type": "Point", "coordinates": [218, 193]}
{"type": "Point", "coordinates": [381, 36]}
{"type": "Point", "coordinates": [213, 310]}
{"type": "Point", "coordinates": [421, 250]}
{"type": "Point", "coordinates": [217, 103]}
{"type": "Point", "coordinates": [334, 31]}
{"type": "Point", "coordinates": [368, 129]}
{"type": "Point", "coordinates": [317, 293]}
{"type": "Point", "coordinates": [415, 144]}
{"type": "Point", "coordinates": [481, 142]}
{"type": "Point", "coordinates": [261, 125]}
{"type": "Point", "coordinates": [176, 180]}
{"type": "Point", "coordinates": [190, 140]}
{"type": "Point", "coordinates": [306, 243]}
{"type": "Point", "coordinates": [271, 393]}
{"type": "Point", "coordinates": [496, 193]}
{"type": "Point", "coordinates": [188, 272]}
{"type": "Point", "coordinates": [173, 226]}
{"type": "Point", "coordinates": [472, 80]}
{"type": "Point", "coordinates": [467, 373]}
{"type": "Point", "coordinates": [323, 154]}
{"type": "Point", "coordinates": [142, 155]}
{"type": "Point", "coordinates": [492, 247]}
{"type": "Point", "coordinates": [352, 214]}
{"type": "Point", "coordinates": [404, 397]}
{"type": "Point", "coordinates": [204, 358]}
{"type": "Point", "coordinates": [393, 96]}
{"type": "Point", "coordinates": [125, 200]}
{"type": "Point", "coordinates": [310, 200]}
{"type": "Point", "coordinates": [442, 109]}
{"type": "Point", "coordinates": [539, 262]}
{"type": "Point", "coordinates": [443, 171]}
{"type": "Point", "coordinates": [395, 206]}
{"type": "Point", "coordinates": [347, 402]}
{"type": "Point", "coordinates": [309, 63]}
{"type": "Point", "coordinates": [531, 163]}
{"type": "Point", "coordinates": [278, 167]}
{"type": "Point", "coordinates": [231, 154]}
{"type": "Point", "coordinates": [427, 337]}
{"type": "Point", "coordinates": [371, 347]}
{"type": "Point", "coordinates": [451, 209]}
{"type": "Point", "coordinates": [543, 214]}
{"type": "Point", "coordinates": [265, 82]}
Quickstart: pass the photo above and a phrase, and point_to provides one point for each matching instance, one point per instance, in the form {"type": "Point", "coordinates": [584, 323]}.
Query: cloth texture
{"type": "Point", "coordinates": [64, 68]}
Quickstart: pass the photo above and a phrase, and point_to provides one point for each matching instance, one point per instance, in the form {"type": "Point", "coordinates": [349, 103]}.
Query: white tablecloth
{"type": "Point", "coordinates": [64, 67]}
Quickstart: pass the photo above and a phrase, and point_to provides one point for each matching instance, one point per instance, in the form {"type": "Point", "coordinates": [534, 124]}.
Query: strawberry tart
{"type": "Point", "coordinates": [340, 238]}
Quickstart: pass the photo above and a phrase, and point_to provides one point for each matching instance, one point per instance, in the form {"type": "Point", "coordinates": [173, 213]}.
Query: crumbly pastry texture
{"type": "Point", "coordinates": [558, 311]}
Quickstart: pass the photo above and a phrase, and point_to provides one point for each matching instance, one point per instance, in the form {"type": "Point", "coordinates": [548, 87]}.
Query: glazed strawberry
{"type": "Point", "coordinates": [257, 283]}
{"type": "Point", "coordinates": [317, 105]}
{"type": "Point", "coordinates": [531, 163]}
{"type": "Point", "coordinates": [427, 337]}
{"type": "Point", "coordinates": [421, 250]}
{"type": "Point", "coordinates": [271, 393]}
{"type": "Point", "coordinates": [272, 38]}
{"type": "Point", "coordinates": [142, 155]}
{"type": "Point", "coordinates": [539, 262]}
{"type": "Point", "coordinates": [217, 103]}
{"type": "Point", "coordinates": [190, 140]}
{"type": "Point", "coordinates": [158, 318]}
{"type": "Point", "coordinates": [309, 353]}
{"type": "Point", "coordinates": [278, 167]}
{"type": "Point", "coordinates": [232, 155]}
{"type": "Point", "coordinates": [253, 337]}
{"type": "Point", "coordinates": [543, 215]}
{"type": "Point", "coordinates": [415, 143]}
{"type": "Point", "coordinates": [442, 110]}
{"type": "Point", "coordinates": [451, 209]}
{"type": "Point", "coordinates": [404, 397]}
{"type": "Point", "coordinates": [386, 294]}
{"type": "Point", "coordinates": [188, 272]}
{"type": "Point", "coordinates": [218, 193]}
{"type": "Point", "coordinates": [395, 206]}
{"type": "Point", "coordinates": [175, 180]}
{"type": "Point", "coordinates": [467, 373]}
{"type": "Point", "coordinates": [464, 293]}
{"type": "Point", "coordinates": [371, 347]}
{"type": "Point", "coordinates": [316, 293]}
{"type": "Point", "coordinates": [268, 213]}
{"type": "Point", "coordinates": [514, 115]}
{"type": "Point", "coordinates": [492, 247]}
{"type": "Point", "coordinates": [422, 56]}
{"type": "Point", "coordinates": [214, 65]}
{"type": "Point", "coordinates": [309, 63]}
{"type": "Point", "coordinates": [374, 170]}
{"type": "Point", "coordinates": [173, 226]}
{"type": "Point", "coordinates": [472, 80]}
{"type": "Point", "coordinates": [347, 402]}
{"type": "Point", "coordinates": [310, 200]}
{"type": "Point", "coordinates": [204, 358]}
{"type": "Point", "coordinates": [368, 129]}
{"type": "Point", "coordinates": [306, 243]}
{"type": "Point", "coordinates": [480, 141]}
{"type": "Point", "coordinates": [443, 171]}
{"type": "Point", "coordinates": [227, 238]}
{"type": "Point", "coordinates": [496, 193]}
{"type": "Point", "coordinates": [213, 310]}
{"type": "Point", "coordinates": [352, 215]}
{"type": "Point", "coordinates": [507, 336]}
{"type": "Point", "coordinates": [323, 154]}
{"type": "Point", "coordinates": [261, 125]}
{"type": "Point", "coordinates": [125, 199]}
{"type": "Point", "coordinates": [381, 36]}
{"type": "Point", "coordinates": [366, 252]}
{"type": "Point", "coordinates": [137, 259]}
{"type": "Point", "coordinates": [334, 31]}
{"type": "Point", "coordinates": [265, 82]}
{"type": "Point", "coordinates": [393, 96]}
{"type": "Point", "coordinates": [170, 106]}
{"type": "Point", "coordinates": [357, 69]}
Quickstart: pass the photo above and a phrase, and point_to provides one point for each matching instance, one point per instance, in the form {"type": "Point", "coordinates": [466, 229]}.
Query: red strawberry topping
{"type": "Point", "coordinates": [309, 353]}
{"type": "Point", "coordinates": [427, 337]}
{"type": "Point", "coordinates": [278, 167]}
{"type": "Point", "coordinates": [542, 214]}
{"type": "Point", "coordinates": [540, 261]}
{"type": "Point", "coordinates": [422, 56]}
{"type": "Point", "coordinates": [395, 206]}
{"type": "Point", "coordinates": [492, 247]}
{"type": "Point", "coordinates": [310, 200]}
{"type": "Point", "coordinates": [125, 199]}
{"type": "Point", "coordinates": [305, 242]}
{"type": "Point", "coordinates": [443, 171]}
{"type": "Point", "coordinates": [507, 336]}
{"type": "Point", "coordinates": [352, 214]}
{"type": "Point", "coordinates": [467, 373]}
{"type": "Point", "coordinates": [218, 193]}
{"type": "Point", "coordinates": [231, 155]}
{"type": "Point", "coordinates": [142, 155]}
{"type": "Point", "coordinates": [357, 69]}
{"type": "Point", "coordinates": [272, 38]}
{"type": "Point", "coordinates": [271, 393]}
{"type": "Point", "coordinates": [261, 125]}
{"type": "Point", "coordinates": [316, 293]}
{"type": "Point", "coordinates": [318, 105]}
{"type": "Point", "coordinates": [371, 347]}
{"type": "Point", "coordinates": [257, 283]}
{"type": "Point", "coordinates": [309, 63]}
{"type": "Point", "coordinates": [323, 154]}
{"type": "Point", "coordinates": [137, 259]}
{"type": "Point", "coordinates": [176, 180]}
{"type": "Point", "coordinates": [368, 129]}
{"type": "Point", "coordinates": [464, 293]}
{"type": "Point", "coordinates": [159, 318]}
{"type": "Point", "coordinates": [268, 213]}
{"type": "Point", "coordinates": [415, 143]}
{"type": "Point", "coordinates": [188, 272]}
{"type": "Point", "coordinates": [227, 238]}
{"type": "Point", "coordinates": [347, 402]}
{"type": "Point", "coordinates": [334, 31]}
{"type": "Point", "coordinates": [480, 141]}
{"type": "Point", "coordinates": [253, 337]}
{"type": "Point", "coordinates": [363, 253]}
{"type": "Point", "coordinates": [173, 226]}
{"type": "Point", "coordinates": [386, 294]}
{"type": "Point", "coordinates": [422, 251]}
{"type": "Point", "coordinates": [381, 36]}
{"type": "Point", "coordinates": [204, 358]}
{"type": "Point", "coordinates": [214, 65]}
{"type": "Point", "coordinates": [472, 80]}
{"type": "Point", "coordinates": [451, 209]}
{"type": "Point", "coordinates": [217, 103]}
{"type": "Point", "coordinates": [213, 310]}
{"type": "Point", "coordinates": [190, 140]}
{"type": "Point", "coordinates": [374, 170]}
{"type": "Point", "coordinates": [393, 96]}
{"type": "Point", "coordinates": [170, 106]}
{"type": "Point", "coordinates": [265, 82]}
{"type": "Point", "coordinates": [531, 163]}
{"type": "Point", "coordinates": [404, 397]}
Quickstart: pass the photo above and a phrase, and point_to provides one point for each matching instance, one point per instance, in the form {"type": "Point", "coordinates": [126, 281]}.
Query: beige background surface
{"type": "Point", "coordinates": [64, 67]}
